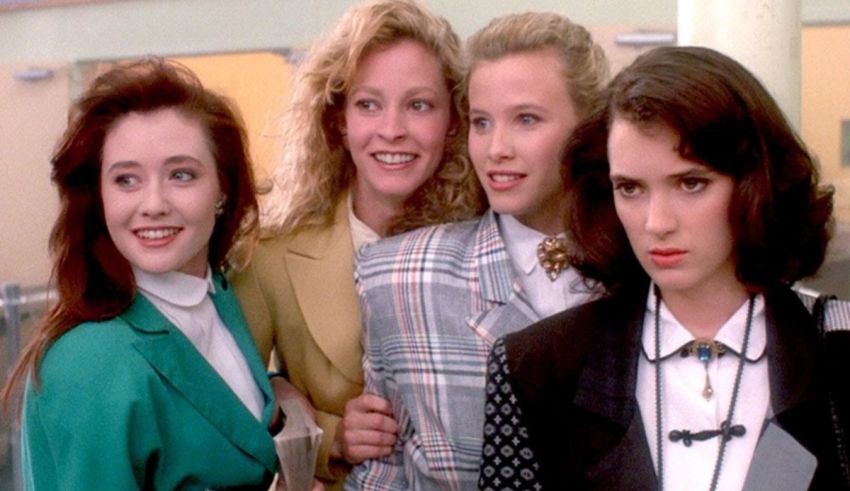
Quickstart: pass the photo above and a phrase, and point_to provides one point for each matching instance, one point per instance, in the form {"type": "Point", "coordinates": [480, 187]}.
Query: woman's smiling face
{"type": "Point", "coordinates": [396, 119]}
{"type": "Point", "coordinates": [159, 188]}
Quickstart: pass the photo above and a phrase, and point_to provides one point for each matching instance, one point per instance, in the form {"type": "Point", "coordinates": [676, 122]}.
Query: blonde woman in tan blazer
{"type": "Point", "coordinates": [373, 145]}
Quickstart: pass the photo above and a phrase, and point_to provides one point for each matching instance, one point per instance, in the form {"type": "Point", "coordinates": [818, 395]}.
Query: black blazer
{"type": "Point", "coordinates": [573, 376]}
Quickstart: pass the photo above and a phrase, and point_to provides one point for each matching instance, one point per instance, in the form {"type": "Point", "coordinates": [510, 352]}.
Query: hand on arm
{"type": "Point", "coordinates": [368, 430]}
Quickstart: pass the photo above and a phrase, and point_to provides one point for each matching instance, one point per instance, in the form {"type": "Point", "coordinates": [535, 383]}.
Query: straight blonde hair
{"type": "Point", "coordinates": [586, 70]}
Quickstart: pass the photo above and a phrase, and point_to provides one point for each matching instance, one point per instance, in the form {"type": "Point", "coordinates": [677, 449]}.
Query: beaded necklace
{"type": "Point", "coordinates": [727, 430]}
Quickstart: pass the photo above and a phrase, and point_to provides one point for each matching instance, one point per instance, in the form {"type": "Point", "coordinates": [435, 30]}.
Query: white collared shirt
{"type": "Point", "coordinates": [183, 299]}
{"type": "Point", "coordinates": [546, 296]}
{"type": "Point", "coordinates": [684, 407]}
{"type": "Point", "coordinates": [361, 233]}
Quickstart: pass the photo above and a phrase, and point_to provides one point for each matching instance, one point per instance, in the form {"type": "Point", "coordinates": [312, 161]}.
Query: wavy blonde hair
{"type": "Point", "coordinates": [586, 67]}
{"type": "Point", "coordinates": [315, 169]}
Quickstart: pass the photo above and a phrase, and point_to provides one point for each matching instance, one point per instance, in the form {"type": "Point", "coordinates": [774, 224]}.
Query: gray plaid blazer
{"type": "Point", "coordinates": [433, 301]}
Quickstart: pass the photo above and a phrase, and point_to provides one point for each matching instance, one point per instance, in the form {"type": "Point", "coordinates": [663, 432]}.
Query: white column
{"type": "Point", "coordinates": [763, 35]}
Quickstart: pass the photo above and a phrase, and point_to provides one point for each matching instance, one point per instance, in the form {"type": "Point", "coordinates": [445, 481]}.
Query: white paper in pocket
{"type": "Point", "coordinates": [297, 446]}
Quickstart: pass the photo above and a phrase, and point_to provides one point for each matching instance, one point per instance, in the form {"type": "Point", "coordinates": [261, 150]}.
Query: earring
{"type": "Point", "coordinates": [219, 206]}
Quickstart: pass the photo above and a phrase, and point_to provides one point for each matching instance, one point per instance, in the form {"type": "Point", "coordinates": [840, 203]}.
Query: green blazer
{"type": "Point", "coordinates": [129, 403]}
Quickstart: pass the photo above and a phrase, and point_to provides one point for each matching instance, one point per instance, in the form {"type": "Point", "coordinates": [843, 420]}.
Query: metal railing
{"type": "Point", "coordinates": [18, 308]}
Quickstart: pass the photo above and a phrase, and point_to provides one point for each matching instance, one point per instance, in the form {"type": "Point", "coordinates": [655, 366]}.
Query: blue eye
{"type": "Point", "coordinates": [420, 105]}
{"type": "Point", "coordinates": [527, 119]}
{"type": "Point", "coordinates": [480, 124]}
{"type": "Point", "coordinates": [183, 175]}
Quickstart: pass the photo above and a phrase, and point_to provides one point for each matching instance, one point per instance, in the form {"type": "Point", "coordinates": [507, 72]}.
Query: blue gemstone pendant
{"type": "Point", "coordinates": [705, 350]}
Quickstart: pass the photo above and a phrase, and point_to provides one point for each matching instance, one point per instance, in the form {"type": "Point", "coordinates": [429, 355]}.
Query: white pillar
{"type": "Point", "coordinates": [763, 35]}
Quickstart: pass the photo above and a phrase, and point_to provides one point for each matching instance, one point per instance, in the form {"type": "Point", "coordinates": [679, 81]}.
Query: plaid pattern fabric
{"type": "Point", "coordinates": [434, 301]}
{"type": "Point", "coordinates": [837, 313]}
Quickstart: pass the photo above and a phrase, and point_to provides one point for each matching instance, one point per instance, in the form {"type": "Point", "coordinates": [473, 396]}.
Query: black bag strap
{"type": "Point", "coordinates": [839, 434]}
{"type": "Point", "coordinates": [819, 312]}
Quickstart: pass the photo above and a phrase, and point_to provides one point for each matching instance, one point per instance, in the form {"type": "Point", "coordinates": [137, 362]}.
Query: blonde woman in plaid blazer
{"type": "Point", "coordinates": [434, 300]}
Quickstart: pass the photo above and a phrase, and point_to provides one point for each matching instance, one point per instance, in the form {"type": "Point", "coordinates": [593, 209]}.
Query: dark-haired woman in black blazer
{"type": "Point", "coordinates": [696, 205]}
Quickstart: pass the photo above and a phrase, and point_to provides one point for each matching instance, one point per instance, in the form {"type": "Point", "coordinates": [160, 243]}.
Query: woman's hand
{"type": "Point", "coordinates": [368, 430]}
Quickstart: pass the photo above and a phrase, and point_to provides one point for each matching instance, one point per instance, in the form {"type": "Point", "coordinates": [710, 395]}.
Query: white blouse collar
{"type": "Point", "coordinates": [360, 232]}
{"type": "Point", "coordinates": [521, 242]}
{"type": "Point", "coordinates": [674, 335]}
{"type": "Point", "coordinates": [179, 289]}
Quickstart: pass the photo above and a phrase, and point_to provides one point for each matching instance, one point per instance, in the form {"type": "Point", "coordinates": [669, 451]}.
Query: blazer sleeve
{"type": "Point", "coordinates": [507, 460]}
{"type": "Point", "coordinates": [386, 473]}
{"type": "Point", "coordinates": [82, 432]}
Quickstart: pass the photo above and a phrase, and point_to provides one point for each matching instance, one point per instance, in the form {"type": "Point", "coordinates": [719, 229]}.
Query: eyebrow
{"type": "Point", "coordinates": [407, 93]}
{"type": "Point", "coordinates": [619, 178]}
{"type": "Point", "coordinates": [172, 160]}
{"type": "Point", "coordinates": [699, 170]}
{"type": "Point", "coordinates": [693, 171]}
{"type": "Point", "coordinates": [526, 106]}
{"type": "Point", "coordinates": [518, 109]}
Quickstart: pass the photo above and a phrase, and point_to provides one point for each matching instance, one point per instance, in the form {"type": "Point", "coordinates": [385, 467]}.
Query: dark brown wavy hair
{"type": "Point", "coordinates": [781, 218]}
{"type": "Point", "coordinates": [93, 280]}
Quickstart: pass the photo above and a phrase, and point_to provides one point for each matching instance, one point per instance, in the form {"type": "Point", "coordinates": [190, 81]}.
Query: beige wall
{"type": "Point", "coordinates": [259, 83]}
{"type": "Point", "coordinates": [120, 29]}
{"type": "Point", "coordinates": [32, 116]}
{"type": "Point", "coordinates": [826, 102]}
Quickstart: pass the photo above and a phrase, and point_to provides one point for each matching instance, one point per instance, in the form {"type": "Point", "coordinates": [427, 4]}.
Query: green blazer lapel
{"type": "Point", "coordinates": [172, 356]}
{"type": "Point", "coordinates": [228, 309]}
{"type": "Point", "coordinates": [321, 266]}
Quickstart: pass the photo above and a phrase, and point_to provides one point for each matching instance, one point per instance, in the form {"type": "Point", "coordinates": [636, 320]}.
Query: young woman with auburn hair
{"type": "Point", "coordinates": [145, 362]}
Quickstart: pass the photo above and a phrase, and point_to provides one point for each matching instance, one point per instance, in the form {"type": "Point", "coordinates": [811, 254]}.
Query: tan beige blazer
{"type": "Point", "coordinates": [298, 297]}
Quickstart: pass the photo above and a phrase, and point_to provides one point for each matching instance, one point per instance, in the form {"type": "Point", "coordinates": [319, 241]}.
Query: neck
{"type": "Point", "coordinates": [548, 228]}
{"type": "Point", "coordinates": [550, 218]}
{"type": "Point", "coordinates": [378, 215]}
{"type": "Point", "coordinates": [703, 314]}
